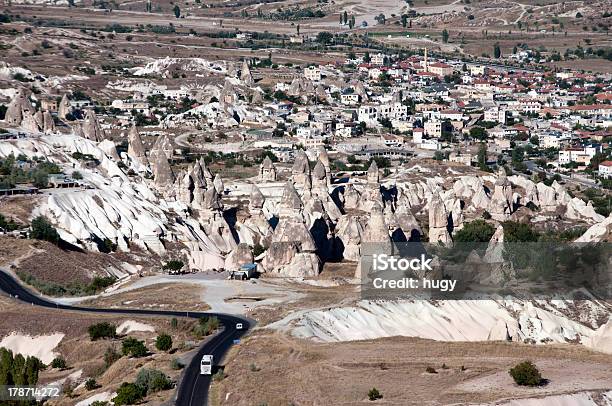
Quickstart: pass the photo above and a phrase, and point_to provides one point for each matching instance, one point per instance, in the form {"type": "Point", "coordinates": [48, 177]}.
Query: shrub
{"type": "Point", "coordinates": [110, 356]}
{"type": "Point", "coordinates": [526, 374]}
{"type": "Point", "coordinates": [374, 394]}
{"type": "Point", "coordinates": [128, 394]}
{"type": "Point", "coordinates": [102, 330]}
{"type": "Point", "coordinates": [219, 376]}
{"type": "Point", "coordinates": [173, 265]}
{"type": "Point", "coordinates": [163, 342]}
{"type": "Point", "coordinates": [43, 230]}
{"type": "Point", "coordinates": [133, 347]}
{"type": "Point", "coordinates": [519, 232]}
{"type": "Point", "coordinates": [176, 364]}
{"type": "Point", "coordinates": [152, 380]}
{"type": "Point", "coordinates": [431, 370]}
{"type": "Point", "coordinates": [91, 384]}
{"type": "Point", "coordinates": [205, 326]}
{"type": "Point", "coordinates": [475, 231]}
{"type": "Point", "coordinates": [58, 362]}
{"type": "Point", "coordinates": [76, 175]}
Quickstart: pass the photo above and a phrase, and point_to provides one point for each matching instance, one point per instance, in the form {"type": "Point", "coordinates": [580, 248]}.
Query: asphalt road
{"type": "Point", "coordinates": [193, 388]}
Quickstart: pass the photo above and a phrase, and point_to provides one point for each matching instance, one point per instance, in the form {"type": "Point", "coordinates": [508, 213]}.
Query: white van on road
{"type": "Point", "coordinates": [206, 365]}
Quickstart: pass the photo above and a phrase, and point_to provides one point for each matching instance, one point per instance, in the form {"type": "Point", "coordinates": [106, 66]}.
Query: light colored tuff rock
{"type": "Point", "coordinates": [109, 148]}
{"type": "Point", "coordinates": [267, 170]}
{"type": "Point", "coordinates": [294, 229]}
{"type": "Point", "coordinates": [500, 206]}
{"type": "Point", "coordinates": [319, 178]}
{"type": "Point", "coordinates": [598, 232]}
{"type": "Point", "coordinates": [438, 222]}
{"type": "Point", "coordinates": [19, 104]}
{"type": "Point", "coordinates": [218, 184]}
{"type": "Point", "coordinates": [350, 232]}
{"type": "Point", "coordinates": [239, 256]}
{"type": "Point", "coordinates": [245, 74]}
{"type": "Point", "coordinates": [300, 171]}
{"type": "Point", "coordinates": [162, 172]}
{"type": "Point", "coordinates": [48, 123]}
{"type": "Point", "coordinates": [373, 175]}
{"type": "Point", "coordinates": [547, 197]}
{"type": "Point", "coordinates": [28, 122]}
{"type": "Point", "coordinates": [291, 203]}
{"type": "Point", "coordinates": [136, 149]}
{"type": "Point", "coordinates": [64, 108]}
{"type": "Point", "coordinates": [91, 127]}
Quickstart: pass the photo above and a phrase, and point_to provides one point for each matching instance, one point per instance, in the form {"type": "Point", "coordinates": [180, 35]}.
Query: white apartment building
{"type": "Point", "coordinates": [581, 155]}
{"type": "Point", "coordinates": [496, 115]}
{"type": "Point", "coordinates": [433, 128]}
{"type": "Point", "coordinates": [605, 169]}
{"type": "Point", "coordinates": [378, 59]}
{"type": "Point", "coordinates": [312, 73]}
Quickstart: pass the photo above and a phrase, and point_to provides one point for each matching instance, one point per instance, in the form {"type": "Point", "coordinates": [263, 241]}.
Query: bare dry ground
{"type": "Point", "coordinates": [270, 368]}
{"type": "Point", "coordinates": [18, 208]}
{"type": "Point", "coordinates": [166, 296]}
{"type": "Point", "coordinates": [50, 263]}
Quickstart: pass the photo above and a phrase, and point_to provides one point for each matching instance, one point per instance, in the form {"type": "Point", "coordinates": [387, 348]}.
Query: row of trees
{"type": "Point", "coordinates": [17, 370]}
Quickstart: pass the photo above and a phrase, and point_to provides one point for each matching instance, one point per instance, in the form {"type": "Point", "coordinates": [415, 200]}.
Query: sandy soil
{"type": "Point", "coordinates": [167, 296]}
{"type": "Point", "coordinates": [274, 369]}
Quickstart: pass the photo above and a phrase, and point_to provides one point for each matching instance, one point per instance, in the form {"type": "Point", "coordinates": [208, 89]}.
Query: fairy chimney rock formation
{"type": "Point", "coordinates": [267, 170]}
{"type": "Point", "coordinates": [136, 149]}
{"type": "Point", "coordinates": [438, 221]}
{"type": "Point", "coordinates": [64, 108]}
{"type": "Point", "coordinates": [245, 74]}
{"type": "Point", "coordinates": [300, 172]}
{"type": "Point", "coordinates": [373, 174]}
{"type": "Point", "coordinates": [91, 127]}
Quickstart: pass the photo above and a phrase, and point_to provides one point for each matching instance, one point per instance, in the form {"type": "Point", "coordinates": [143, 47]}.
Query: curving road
{"type": "Point", "coordinates": [193, 388]}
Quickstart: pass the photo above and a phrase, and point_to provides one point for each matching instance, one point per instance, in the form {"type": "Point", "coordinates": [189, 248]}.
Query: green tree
{"type": "Point", "coordinates": [444, 36]}
{"type": "Point", "coordinates": [152, 380]}
{"type": "Point", "coordinates": [58, 362]}
{"type": "Point", "coordinates": [32, 366]}
{"type": "Point", "coordinates": [43, 230]}
{"type": "Point", "coordinates": [404, 20]}
{"type": "Point", "coordinates": [519, 232]}
{"type": "Point", "coordinates": [497, 51]}
{"type": "Point", "coordinates": [177, 11]}
{"type": "Point", "coordinates": [6, 366]}
{"type": "Point", "coordinates": [102, 330]}
{"type": "Point", "coordinates": [518, 154]}
{"type": "Point", "coordinates": [352, 22]}
{"type": "Point", "coordinates": [324, 37]}
{"type": "Point", "coordinates": [128, 394]}
{"type": "Point", "coordinates": [133, 347]}
{"type": "Point", "coordinates": [482, 156]}
{"type": "Point", "coordinates": [526, 374]}
{"type": "Point", "coordinates": [374, 394]}
{"type": "Point", "coordinates": [91, 384]}
{"type": "Point", "coordinates": [475, 231]}
{"type": "Point", "coordinates": [18, 370]}
{"type": "Point", "coordinates": [163, 342]}
{"type": "Point", "coordinates": [345, 17]}
{"type": "Point", "coordinates": [478, 133]}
